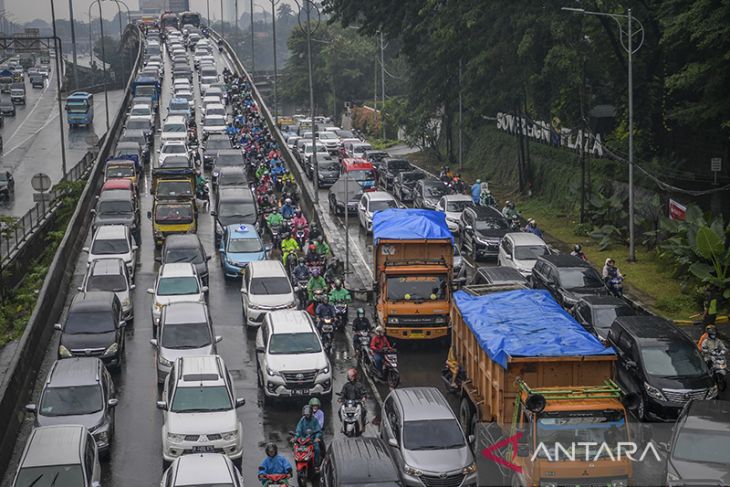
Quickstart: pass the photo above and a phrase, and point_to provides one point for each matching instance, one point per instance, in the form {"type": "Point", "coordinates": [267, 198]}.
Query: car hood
{"type": "Point", "coordinates": [691, 383]}
{"type": "Point", "coordinates": [127, 258]}
{"type": "Point", "coordinates": [202, 423]}
{"type": "Point", "coordinates": [90, 421]}
{"type": "Point", "coordinates": [329, 174]}
{"type": "Point", "coordinates": [87, 340]}
{"type": "Point", "coordinates": [3, 184]}
{"type": "Point", "coordinates": [452, 215]}
{"type": "Point", "coordinates": [438, 461]}
{"type": "Point", "coordinates": [173, 354]}
{"type": "Point", "coordinates": [300, 361]}
{"type": "Point", "coordinates": [185, 298]}
{"type": "Point", "coordinates": [246, 256]}
{"type": "Point", "coordinates": [233, 220]}
{"type": "Point", "coordinates": [273, 300]}
{"type": "Point", "coordinates": [126, 219]}
{"type": "Point", "coordinates": [492, 234]}
{"type": "Point", "coordinates": [430, 202]}
{"type": "Point", "coordinates": [580, 292]}
{"type": "Point", "coordinates": [700, 472]}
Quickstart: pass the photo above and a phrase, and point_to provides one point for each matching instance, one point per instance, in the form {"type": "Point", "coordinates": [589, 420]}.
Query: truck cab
{"type": "Point", "coordinates": [17, 93]}
{"type": "Point", "coordinates": [172, 217]}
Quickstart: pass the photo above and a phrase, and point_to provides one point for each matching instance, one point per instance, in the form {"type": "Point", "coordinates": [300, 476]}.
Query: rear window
{"type": "Point", "coordinates": [113, 283]}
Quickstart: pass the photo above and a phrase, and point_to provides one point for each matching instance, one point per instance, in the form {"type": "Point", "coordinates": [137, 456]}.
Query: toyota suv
{"type": "Point", "coordinates": [265, 288]}
{"type": "Point", "coordinates": [290, 360]}
{"type": "Point", "coordinates": [176, 282]}
{"type": "Point", "coordinates": [567, 278]}
{"type": "Point", "coordinates": [111, 275]}
{"type": "Point", "coordinates": [481, 229]}
{"type": "Point", "coordinates": [199, 410]}
{"type": "Point", "coordinates": [113, 241]}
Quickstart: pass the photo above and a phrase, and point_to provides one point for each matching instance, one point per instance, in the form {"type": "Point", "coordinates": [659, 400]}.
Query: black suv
{"type": "Point", "coordinates": [7, 184]}
{"type": "Point", "coordinates": [234, 205]}
{"type": "Point", "coordinates": [359, 461]}
{"type": "Point", "coordinates": [481, 230]}
{"type": "Point", "coordinates": [78, 390]}
{"type": "Point", "coordinates": [212, 145]}
{"type": "Point", "coordinates": [596, 313]}
{"type": "Point", "coordinates": [118, 207]}
{"type": "Point", "coordinates": [375, 157]}
{"type": "Point", "coordinates": [94, 328]}
{"type": "Point", "coordinates": [389, 169]}
{"type": "Point", "coordinates": [404, 184]}
{"type": "Point", "coordinates": [428, 192]}
{"type": "Point", "coordinates": [567, 278]}
{"type": "Point", "coordinates": [700, 444]}
{"type": "Point", "coordinates": [660, 364]}
{"type": "Point", "coordinates": [499, 276]}
{"type": "Point", "coordinates": [186, 248]}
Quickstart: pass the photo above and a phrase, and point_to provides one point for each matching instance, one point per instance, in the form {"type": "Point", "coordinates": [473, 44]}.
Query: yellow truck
{"type": "Point", "coordinates": [172, 216]}
{"type": "Point", "coordinates": [413, 260]}
{"type": "Point", "coordinates": [535, 386]}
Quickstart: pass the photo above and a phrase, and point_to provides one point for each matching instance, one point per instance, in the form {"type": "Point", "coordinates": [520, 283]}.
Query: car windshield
{"type": "Point", "coordinates": [577, 277]}
{"type": "Point", "coordinates": [185, 336]}
{"type": "Point", "coordinates": [138, 125]}
{"type": "Point", "coordinates": [604, 316]}
{"type": "Point", "coordinates": [170, 188]}
{"type": "Point", "coordinates": [177, 286]}
{"type": "Point", "coordinates": [110, 246]}
{"type": "Point", "coordinates": [674, 360]}
{"type": "Point", "coordinates": [457, 206]}
{"type": "Point", "coordinates": [597, 431]}
{"type": "Point", "coordinates": [145, 91]}
{"type": "Point", "coordinates": [214, 120]}
{"type": "Point", "coordinates": [115, 207]}
{"type": "Point", "coordinates": [362, 175]}
{"type": "Point", "coordinates": [329, 166]}
{"type": "Point", "coordinates": [175, 127]}
{"type": "Point", "coordinates": [270, 285]}
{"type": "Point", "coordinates": [200, 399]}
{"type": "Point", "coordinates": [436, 190]}
{"type": "Point", "coordinates": [120, 171]}
{"type": "Point", "coordinates": [490, 224]}
{"type": "Point", "coordinates": [180, 105]}
{"type": "Point", "coordinates": [702, 446]}
{"type": "Point", "coordinates": [345, 134]}
{"type": "Point", "coordinates": [242, 245]}
{"type": "Point", "coordinates": [89, 322]}
{"type": "Point", "coordinates": [140, 111]}
{"type": "Point", "coordinates": [530, 252]}
{"type": "Point", "coordinates": [237, 178]}
{"type": "Point", "coordinates": [359, 149]}
{"type": "Point", "coordinates": [174, 149]}
{"type": "Point", "coordinates": [72, 400]}
{"type": "Point", "coordinates": [438, 434]}
{"type": "Point", "coordinates": [50, 476]}
{"type": "Point", "coordinates": [192, 255]}
{"type": "Point", "coordinates": [229, 160]}
{"type": "Point", "coordinates": [178, 214]}
{"type": "Point", "coordinates": [218, 144]}
{"type": "Point", "coordinates": [416, 288]}
{"type": "Point", "coordinates": [412, 176]}
{"type": "Point", "coordinates": [294, 343]}
{"type": "Point", "coordinates": [219, 111]}
{"type": "Point", "coordinates": [236, 209]}
{"type": "Point", "coordinates": [327, 136]}
{"type": "Point", "coordinates": [111, 282]}
{"type": "Point", "coordinates": [382, 205]}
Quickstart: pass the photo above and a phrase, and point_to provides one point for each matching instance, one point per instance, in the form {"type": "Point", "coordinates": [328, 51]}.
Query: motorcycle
{"type": "Point", "coordinates": [300, 235]}
{"type": "Point", "coordinates": [352, 418]}
{"type": "Point", "coordinates": [362, 341]}
{"type": "Point", "coordinates": [301, 289]}
{"type": "Point", "coordinates": [340, 315]}
{"type": "Point", "coordinates": [389, 375]}
{"type": "Point", "coordinates": [616, 286]}
{"type": "Point", "coordinates": [718, 368]}
{"type": "Point", "coordinates": [275, 233]}
{"type": "Point", "coordinates": [202, 193]}
{"type": "Point", "coordinates": [290, 261]}
{"type": "Point", "coordinates": [326, 332]}
{"type": "Point", "coordinates": [303, 458]}
{"type": "Point", "coordinates": [274, 479]}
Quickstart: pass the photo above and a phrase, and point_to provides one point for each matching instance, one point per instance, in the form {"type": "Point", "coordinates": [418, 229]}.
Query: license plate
{"type": "Point", "coordinates": [417, 332]}
{"type": "Point", "coordinates": [203, 449]}
{"type": "Point", "coordinates": [298, 392]}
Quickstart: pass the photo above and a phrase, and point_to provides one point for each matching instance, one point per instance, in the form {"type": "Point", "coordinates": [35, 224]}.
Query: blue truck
{"type": "Point", "coordinates": [147, 86]}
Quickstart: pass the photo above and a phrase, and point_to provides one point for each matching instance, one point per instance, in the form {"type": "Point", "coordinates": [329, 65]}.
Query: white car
{"type": "Point", "coordinates": [199, 410]}
{"type": "Point", "coordinates": [174, 128]}
{"type": "Point", "coordinates": [181, 84]}
{"type": "Point", "coordinates": [330, 140]}
{"type": "Point", "coordinates": [214, 124]}
{"type": "Point", "coordinates": [265, 287]}
{"type": "Point", "coordinates": [113, 242]}
{"type": "Point", "coordinates": [171, 148]}
{"type": "Point", "coordinates": [290, 360]}
{"type": "Point", "coordinates": [358, 150]}
{"type": "Point", "coordinates": [175, 283]}
{"type": "Point", "coordinates": [372, 202]}
{"type": "Point", "coordinates": [111, 275]}
{"type": "Point", "coordinates": [520, 251]}
{"type": "Point", "coordinates": [185, 331]}
{"type": "Point", "coordinates": [142, 112]}
{"type": "Point", "coordinates": [217, 90]}
{"type": "Point", "coordinates": [188, 95]}
{"type": "Point", "coordinates": [209, 99]}
{"type": "Point", "coordinates": [453, 205]}
{"type": "Point", "coordinates": [206, 82]}
{"type": "Point", "coordinates": [214, 109]}
{"type": "Point", "coordinates": [202, 469]}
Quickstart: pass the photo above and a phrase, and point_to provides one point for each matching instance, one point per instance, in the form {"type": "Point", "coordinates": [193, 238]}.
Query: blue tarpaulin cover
{"type": "Point", "coordinates": [410, 224]}
{"type": "Point", "coordinates": [525, 323]}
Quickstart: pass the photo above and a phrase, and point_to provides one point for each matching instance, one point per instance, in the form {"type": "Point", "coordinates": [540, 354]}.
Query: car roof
{"type": "Point", "coordinates": [525, 238]}
{"type": "Point", "coordinates": [604, 301]}
{"type": "Point", "coordinates": [483, 212]}
{"type": "Point", "coordinates": [379, 196]}
{"type": "Point", "coordinates": [267, 268]}
{"type": "Point", "coordinates": [708, 415]}
{"type": "Point", "coordinates": [75, 371]}
{"type": "Point", "coordinates": [244, 231]}
{"type": "Point", "coordinates": [290, 321]}
{"type": "Point", "coordinates": [174, 142]}
{"type": "Point", "coordinates": [185, 312]}
{"type": "Point", "coordinates": [92, 301]}
{"type": "Point", "coordinates": [363, 460]}
{"type": "Point", "coordinates": [457, 197]}
{"type": "Point", "coordinates": [174, 119]}
{"type": "Point", "coordinates": [196, 370]}
{"type": "Point", "coordinates": [649, 328]}
{"type": "Point", "coordinates": [182, 241]}
{"type": "Point", "coordinates": [235, 194]}
{"type": "Point", "coordinates": [108, 232]}
{"type": "Point", "coordinates": [177, 269]}
{"type": "Point", "coordinates": [422, 403]}
{"type": "Point", "coordinates": [202, 469]}
{"type": "Point", "coordinates": [500, 274]}
{"type": "Point", "coordinates": [54, 445]}
{"type": "Point", "coordinates": [230, 151]}
{"type": "Point", "coordinates": [124, 194]}
{"type": "Point", "coordinates": [231, 169]}
{"type": "Point", "coordinates": [565, 260]}
{"type": "Point", "coordinates": [107, 267]}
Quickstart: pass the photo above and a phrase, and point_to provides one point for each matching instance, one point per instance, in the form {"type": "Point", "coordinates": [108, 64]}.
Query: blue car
{"type": "Point", "coordinates": [179, 106]}
{"type": "Point", "coordinates": [240, 245]}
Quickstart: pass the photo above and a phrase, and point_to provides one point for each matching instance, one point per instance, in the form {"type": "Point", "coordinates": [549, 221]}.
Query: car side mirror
{"type": "Point", "coordinates": [58, 327]}
{"type": "Point", "coordinates": [268, 247]}
{"type": "Point", "coordinates": [162, 405]}
{"type": "Point", "coordinates": [468, 227]}
{"type": "Point", "coordinates": [149, 215]}
{"type": "Point", "coordinates": [80, 289]}
{"type": "Point", "coordinates": [631, 364]}
{"type": "Point", "coordinates": [523, 450]}
{"type": "Point", "coordinates": [135, 247]}
{"type": "Point", "coordinates": [153, 342]}
{"type": "Point", "coordinates": [150, 291]}
{"type": "Point", "coordinates": [218, 339]}
{"type": "Point", "coordinates": [393, 442]}
{"type": "Point", "coordinates": [471, 439]}
{"type": "Point", "coordinates": [132, 286]}
{"type": "Point", "coordinates": [92, 211]}
{"type": "Point", "coordinates": [208, 257]}
{"type": "Point", "coordinates": [158, 259]}
{"type": "Point", "coordinates": [85, 249]}
{"type": "Point", "coordinates": [240, 402]}
{"type": "Point", "coordinates": [112, 402]}
{"type": "Point", "coordinates": [204, 289]}
{"type": "Point", "coordinates": [260, 349]}
{"type": "Point", "coordinates": [213, 213]}
{"type": "Point", "coordinates": [31, 408]}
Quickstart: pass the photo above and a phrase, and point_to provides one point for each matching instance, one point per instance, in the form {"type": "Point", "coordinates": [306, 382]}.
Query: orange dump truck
{"type": "Point", "coordinates": [413, 259]}
{"type": "Point", "coordinates": [536, 391]}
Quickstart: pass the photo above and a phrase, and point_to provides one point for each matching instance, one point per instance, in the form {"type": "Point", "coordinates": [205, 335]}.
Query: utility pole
{"type": "Point", "coordinates": [461, 144]}
{"type": "Point", "coordinates": [236, 4]}
{"type": "Point", "coordinates": [276, 100]}
{"type": "Point", "coordinates": [253, 52]}
{"type": "Point", "coordinates": [222, 28]}
{"type": "Point", "coordinates": [73, 43]}
{"type": "Point", "coordinates": [58, 53]}
{"type": "Point", "coordinates": [382, 82]}
{"type": "Point", "coordinates": [315, 164]}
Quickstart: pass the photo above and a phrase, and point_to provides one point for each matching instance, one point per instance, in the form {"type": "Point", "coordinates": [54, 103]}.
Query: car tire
{"type": "Point", "coordinates": [466, 412]}
{"type": "Point", "coordinates": [641, 409]}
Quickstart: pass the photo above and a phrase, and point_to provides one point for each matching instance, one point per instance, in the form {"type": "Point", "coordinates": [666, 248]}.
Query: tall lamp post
{"type": "Point", "coordinates": [627, 42]}
{"type": "Point", "coordinates": [222, 31]}
{"type": "Point", "coordinates": [273, 24]}
{"type": "Point", "coordinates": [121, 30]}
{"type": "Point", "coordinates": [103, 56]}
{"type": "Point", "coordinates": [253, 52]}
{"type": "Point", "coordinates": [73, 42]}
{"type": "Point", "coordinates": [58, 53]}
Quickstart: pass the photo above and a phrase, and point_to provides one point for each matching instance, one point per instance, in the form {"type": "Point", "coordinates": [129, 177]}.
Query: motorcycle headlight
{"type": "Point", "coordinates": [64, 352]}
{"type": "Point", "coordinates": [412, 471]}
{"type": "Point", "coordinates": [229, 435]}
{"type": "Point", "coordinates": [111, 350]}
{"type": "Point", "coordinates": [470, 469]}
{"type": "Point", "coordinates": [272, 372]}
{"type": "Point", "coordinates": [174, 437]}
{"type": "Point", "coordinates": [711, 392]}
{"type": "Point", "coordinates": [618, 483]}
{"type": "Point", "coordinates": [654, 392]}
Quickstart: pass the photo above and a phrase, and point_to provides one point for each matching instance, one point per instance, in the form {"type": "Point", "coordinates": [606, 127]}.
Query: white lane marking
{"type": "Point", "coordinates": [35, 105]}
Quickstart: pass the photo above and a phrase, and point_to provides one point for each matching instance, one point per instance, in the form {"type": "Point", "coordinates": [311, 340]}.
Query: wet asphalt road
{"type": "Point", "coordinates": [31, 140]}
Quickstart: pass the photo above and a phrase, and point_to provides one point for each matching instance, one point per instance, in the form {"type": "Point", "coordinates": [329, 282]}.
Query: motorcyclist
{"type": "Point", "coordinates": [509, 211]}
{"type": "Point", "coordinates": [353, 390]}
{"type": "Point", "coordinates": [324, 310]}
{"type": "Point", "coordinates": [578, 252]}
{"type": "Point", "coordinates": [301, 271]}
{"type": "Point", "coordinates": [476, 192]}
{"type": "Point", "coordinates": [308, 426]}
{"type": "Point", "coordinates": [288, 244]}
{"type": "Point", "coordinates": [287, 210]}
{"type": "Point", "coordinates": [298, 218]}
{"type": "Point", "coordinates": [610, 271]}
{"type": "Point", "coordinates": [339, 294]}
{"type": "Point", "coordinates": [360, 323]}
{"type": "Point", "coordinates": [532, 227]}
{"type": "Point", "coordinates": [711, 343]}
{"type": "Point", "coordinates": [315, 282]}
{"type": "Point", "coordinates": [274, 463]}
{"type": "Point", "coordinates": [314, 232]}
{"type": "Point", "coordinates": [322, 247]}
{"type": "Point", "coordinates": [317, 411]}
{"type": "Point", "coordinates": [275, 220]}
{"type": "Point", "coordinates": [486, 198]}
{"type": "Point", "coordinates": [378, 343]}
{"type": "Point", "coordinates": [313, 256]}
{"type": "Point", "coordinates": [335, 269]}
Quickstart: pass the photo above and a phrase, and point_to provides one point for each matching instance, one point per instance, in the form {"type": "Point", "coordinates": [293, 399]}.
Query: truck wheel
{"type": "Point", "coordinates": [466, 413]}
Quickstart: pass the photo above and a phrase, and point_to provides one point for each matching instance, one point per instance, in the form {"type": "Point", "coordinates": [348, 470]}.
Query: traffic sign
{"type": "Point", "coordinates": [45, 197]}
{"type": "Point", "coordinates": [41, 182]}
{"type": "Point", "coordinates": [716, 164]}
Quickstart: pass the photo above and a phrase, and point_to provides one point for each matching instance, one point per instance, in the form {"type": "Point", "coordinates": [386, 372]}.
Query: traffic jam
{"type": "Point", "coordinates": [213, 341]}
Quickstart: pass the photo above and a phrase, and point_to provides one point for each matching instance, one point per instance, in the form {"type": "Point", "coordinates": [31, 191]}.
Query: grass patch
{"type": "Point", "coordinates": [380, 144]}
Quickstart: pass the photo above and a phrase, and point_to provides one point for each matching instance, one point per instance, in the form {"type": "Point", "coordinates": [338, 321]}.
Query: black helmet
{"type": "Point", "coordinates": [360, 312]}
{"type": "Point", "coordinates": [577, 247]}
{"type": "Point", "coordinates": [307, 411]}
{"type": "Point", "coordinates": [271, 449]}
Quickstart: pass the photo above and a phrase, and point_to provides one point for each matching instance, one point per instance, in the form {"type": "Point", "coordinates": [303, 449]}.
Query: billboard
{"type": "Point", "coordinates": [178, 6]}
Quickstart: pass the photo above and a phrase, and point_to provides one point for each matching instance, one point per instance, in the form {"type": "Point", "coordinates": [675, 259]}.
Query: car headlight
{"type": "Point", "coordinates": [711, 392]}
{"type": "Point", "coordinates": [164, 361]}
{"type": "Point", "coordinates": [174, 437]}
{"type": "Point", "coordinates": [618, 483]}
{"type": "Point", "coordinates": [64, 352]}
{"type": "Point", "coordinates": [272, 372]}
{"type": "Point", "coordinates": [111, 350]}
{"type": "Point", "coordinates": [392, 320]}
{"type": "Point", "coordinates": [325, 371]}
{"type": "Point", "coordinates": [654, 392]}
{"type": "Point", "coordinates": [125, 302]}
{"type": "Point", "coordinates": [672, 477]}
{"type": "Point", "coordinates": [470, 469]}
{"type": "Point", "coordinates": [218, 228]}
{"type": "Point", "coordinates": [412, 471]}
{"type": "Point", "coordinates": [229, 435]}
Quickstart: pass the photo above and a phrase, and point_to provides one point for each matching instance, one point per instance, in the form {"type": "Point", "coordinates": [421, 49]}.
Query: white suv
{"type": "Point", "coordinates": [203, 469]}
{"type": "Point", "coordinates": [113, 242]}
{"type": "Point", "coordinates": [174, 128]}
{"type": "Point", "coordinates": [290, 360]}
{"type": "Point", "coordinates": [176, 282]}
{"type": "Point", "coordinates": [199, 410]}
{"type": "Point", "coordinates": [265, 288]}
{"type": "Point", "coordinates": [520, 251]}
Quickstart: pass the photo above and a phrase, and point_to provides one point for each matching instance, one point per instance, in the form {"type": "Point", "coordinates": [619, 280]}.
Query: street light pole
{"type": "Point", "coordinates": [253, 52]}
{"type": "Point", "coordinates": [73, 42]}
{"type": "Point", "coordinates": [273, 23]}
{"type": "Point", "coordinates": [103, 56]}
{"type": "Point", "coordinates": [207, 5]}
{"type": "Point", "coordinates": [382, 83]}
{"type": "Point", "coordinates": [315, 165]}
{"type": "Point", "coordinates": [58, 53]}
{"type": "Point", "coordinates": [222, 30]}
{"type": "Point", "coordinates": [628, 46]}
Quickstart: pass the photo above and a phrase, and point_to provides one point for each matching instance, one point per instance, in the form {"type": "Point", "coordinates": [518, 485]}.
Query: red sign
{"type": "Point", "coordinates": [676, 210]}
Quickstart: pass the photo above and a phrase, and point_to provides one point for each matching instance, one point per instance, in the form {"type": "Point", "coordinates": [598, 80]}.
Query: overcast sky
{"type": "Point", "coordinates": [26, 10]}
